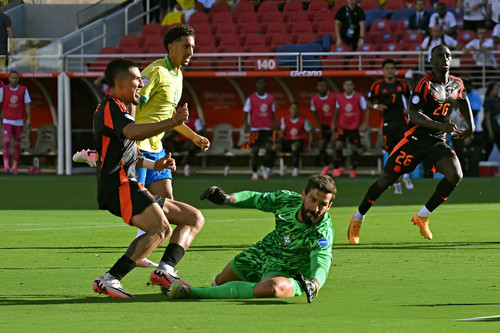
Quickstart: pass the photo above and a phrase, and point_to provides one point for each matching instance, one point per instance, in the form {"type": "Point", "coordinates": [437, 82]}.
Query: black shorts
{"type": "Point", "coordinates": [129, 199]}
{"type": "Point", "coordinates": [261, 138]}
{"type": "Point", "coordinates": [392, 136]}
{"type": "Point", "coordinates": [345, 136]}
{"type": "Point", "coordinates": [408, 154]}
{"type": "Point", "coordinates": [286, 145]}
{"type": "Point", "coordinates": [326, 132]}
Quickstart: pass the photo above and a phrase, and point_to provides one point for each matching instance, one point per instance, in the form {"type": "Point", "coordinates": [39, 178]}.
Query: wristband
{"type": "Point", "coordinates": [148, 164]}
{"type": "Point", "coordinates": [227, 199]}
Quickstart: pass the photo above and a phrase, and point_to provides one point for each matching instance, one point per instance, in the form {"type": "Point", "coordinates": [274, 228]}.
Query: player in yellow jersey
{"type": "Point", "coordinates": [159, 97]}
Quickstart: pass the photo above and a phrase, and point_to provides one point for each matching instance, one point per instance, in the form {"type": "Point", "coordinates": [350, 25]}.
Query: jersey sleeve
{"type": "Point", "coordinates": [418, 98]}
{"type": "Point", "coordinates": [252, 199]}
{"type": "Point", "coordinates": [151, 80]}
{"type": "Point", "coordinates": [248, 105]}
{"type": "Point", "coordinates": [119, 117]}
{"type": "Point", "coordinates": [321, 254]}
{"type": "Point", "coordinates": [373, 93]}
{"type": "Point", "coordinates": [313, 106]}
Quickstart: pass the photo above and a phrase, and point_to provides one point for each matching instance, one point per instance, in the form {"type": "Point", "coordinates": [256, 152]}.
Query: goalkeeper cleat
{"type": "Point", "coordinates": [86, 156]}
{"type": "Point", "coordinates": [145, 262]}
{"type": "Point", "coordinates": [177, 290]}
{"type": "Point", "coordinates": [308, 286]}
{"type": "Point", "coordinates": [113, 288]}
{"type": "Point", "coordinates": [165, 279]}
{"type": "Point", "coordinates": [353, 231]}
{"type": "Point", "coordinates": [423, 225]}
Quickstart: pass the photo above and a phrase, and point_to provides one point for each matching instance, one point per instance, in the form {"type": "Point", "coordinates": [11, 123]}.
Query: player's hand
{"type": "Point", "coordinates": [216, 195]}
{"type": "Point", "coordinates": [181, 115]}
{"type": "Point", "coordinates": [202, 142]}
{"type": "Point", "coordinates": [165, 163]}
{"type": "Point", "coordinates": [310, 286]}
{"type": "Point", "coordinates": [448, 127]}
{"type": "Point", "coordinates": [461, 134]}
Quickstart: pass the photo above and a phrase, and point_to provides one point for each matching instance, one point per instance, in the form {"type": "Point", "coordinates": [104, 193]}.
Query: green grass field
{"type": "Point", "coordinates": [55, 242]}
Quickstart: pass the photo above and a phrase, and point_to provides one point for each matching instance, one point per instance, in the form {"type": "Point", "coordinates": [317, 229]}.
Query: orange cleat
{"type": "Point", "coordinates": [353, 232]}
{"type": "Point", "coordinates": [326, 170]}
{"type": "Point", "coordinates": [338, 172]}
{"type": "Point", "coordinates": [423, 225]}
{"type": "Point", "coordinates": [352, 174]}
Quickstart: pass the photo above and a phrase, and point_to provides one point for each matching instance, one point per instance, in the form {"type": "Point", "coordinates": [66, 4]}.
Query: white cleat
{"type": "Point", "coordinates": [86, 156]}
{"type": "Point", "coordinates": [263, 171]}
{"type": "Point", "coordinates": [407, 181]}
{"type": "Point", "coordinates": [397, 188]}
{"type": "Point", "coordinates": [295, 172]}
{"type": "Point", "coordinates": [145, 262]}
{"type": "Point", "coordinates": [113, 288]}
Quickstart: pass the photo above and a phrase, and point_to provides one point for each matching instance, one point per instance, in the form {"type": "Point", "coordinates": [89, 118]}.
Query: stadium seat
{"type": "Point", "coordinates": [206, 40]}
{"type": "Point", "coordinates": [268, 6]}
{"type": "Point", "coordinates": [243, 6]}
{"type": "Point", "coordinates": [400, 26]}
{"type": "Point", "coordinates": [271, 18]}
{"type": "Point", "coordinates": [225, 28]}
{"type": "Point", "coordinates": [248, 28]}
{"type": "Point", "coordinates": [221, 17]}
{"type": "Point", "coordinates": [279, 39]}
{"type": "Point", "coordinates": [449, 3]}
{"type": "Point", "coordinates": [228, 42]}
{"type": "Point", "coordinates": [295, 17]}
{"type": "Point", "coordinates": [412, 37]}
{"type": "Point", "coordinates": [394, 5]}
{"type": "Point", "coordinates": [257, 48]}
{"type": "Point", "coordinates": [155, 50]}
{"type": "Point", "coordinates": [202, 28]}
{"type": "Point", "coordinates": [129, 41]}
{"type": "Point", "coordinates": [206, 49]}
{"type": "Point", "coordinates": [316, 6]}
{"type": "Point", "coordinates": [369, 47]}
{"type": "Point", "coordinates": [304, 38]}
{"type": "Point", "coordinates": [338, 4]}
{"type": "Point", "coordinates": [370, 5]}
{"type": "Point", "coordinates": [373, 15]}
{"type": "Point", "coordinates": [252, 39]}
{"type": "Point", "coordinates": [151, 29]}
{"type": "Point", "coordinates": [323, 15]}
{"type": "Point", "coordinates": [301, 28]}
{"type": "Point", "coordinates": [325, 27]}
{"type": "Point", "coordinates": [276, 27]}
{"type": "Point", "coordinates": [198, 17]}
{"type": "Point", "coordinates": [293, 6]}
{"type": "Point", "coordinates": [246, 17]}
{"type": "Point", "coordinates": [380, 25]}
{"type": "Point", "coordinates": [152, 40]}
{"type": "Point", "coordinates": [465, 36]}
{"type": "Point", "coordinates": [220, 6]}
{"type": "Point", "coordinates": [99, 64]}
{"type": "Point", "coordinates": [390, 37]}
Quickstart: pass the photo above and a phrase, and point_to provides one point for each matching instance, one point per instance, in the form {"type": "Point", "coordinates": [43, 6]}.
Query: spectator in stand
{"type": "Point", "coordinates": [179, 143]}
{"type": "Point", "coordinates": [323, 108]}
{"type": "Point", "coordinates": [350, 106]}
{"type": "Point", "coordinates": [295, 135]}
{"type": "Point", "coordinates": [493, 11]}
{"type": "Point", "coordinates": [481, 48]}
{"type": "Point", "coordinates": [350, 25]}
{"type": "Point", "coordinates": [420, 19]}
{"type": "Point", "coordinates": [445, 19]}
{"type": "Point", "coordinates": [437, 37]}
{"type": "Point", "coordinates": [492, 112]}
{"type": "Point", "coordinates": [260, 121]}
{"type": "Point", "coordinates": [5, 34]}
{"type": "Point", "coordinates": [15, 103]}
{"type": "Point", "coordinates": [496, 33]}
{"type": "Point", "coordinates": [474, 13]}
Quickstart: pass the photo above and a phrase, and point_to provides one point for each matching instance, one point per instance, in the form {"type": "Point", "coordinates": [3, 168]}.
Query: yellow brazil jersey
{"type": "Point", "coordinates": [159, 97]}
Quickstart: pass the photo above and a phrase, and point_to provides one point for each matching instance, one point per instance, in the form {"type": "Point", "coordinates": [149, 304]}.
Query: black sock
{"type": "Point", "coordinates": [122, 267]}
{"type": "Point", "coordinates": [173, 254]}
{"type": "Point", "coordinates": [443, 191]}
{"type": "Point", "coordinates": [355, 160]}
{"type": "Point", "coordinates": [325, 157]}
{"type": "Point", "coordinates": [373, 193]}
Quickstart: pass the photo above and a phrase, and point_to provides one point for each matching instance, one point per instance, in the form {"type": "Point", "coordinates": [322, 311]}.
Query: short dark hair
{"type": "Point", "coordinates": [177, 33]}
{"type": "Point", "coordinates": [388, 61]}
{"type": "Point", "coordinates": [437, 47]}
{"type": "Point", "coordinates": [117, 67]}
{"type": "Point", "coordinates": [321, 79]}
{"type": "Point", "coordinates": [13, 72]}
{"type": "Point", "coordinates": [294, 103]}
{"type": "Point", "coordinates": [323, 183]}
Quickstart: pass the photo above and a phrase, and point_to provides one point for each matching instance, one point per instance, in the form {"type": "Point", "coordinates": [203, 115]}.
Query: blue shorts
{"type": "Point", "coordinates": [147, 176]}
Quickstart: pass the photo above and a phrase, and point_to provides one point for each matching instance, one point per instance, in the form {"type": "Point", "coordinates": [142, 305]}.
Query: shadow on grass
{"type": "Point", "coordinates": [422, 246]}
{"type": "Point", "coordinates": [452, 304]}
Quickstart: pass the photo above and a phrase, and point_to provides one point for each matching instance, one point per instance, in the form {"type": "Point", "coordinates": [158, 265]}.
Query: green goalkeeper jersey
{"type": "Point", "coordinates": [301, 248]}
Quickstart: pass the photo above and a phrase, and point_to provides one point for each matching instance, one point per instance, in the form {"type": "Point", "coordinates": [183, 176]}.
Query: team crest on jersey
{"type": "Point", "coordinates": [263, 108]}
{"type": "Point", "coordinates": [415, 99]}
{"type": "Point", "coordinates": [14, 99]}
{"type": "Point", "coordinates": [323, 242]}
{"type": "Point", "coordinates": [145, 80]}
{"type": "Point", "coordinates": [287, 240]}
{"type": "Point", "coordinates": [326, 108]}
{"type": "Point", "coordinates": [399, 88]}
{"type": "Point", "coordinates": [348, 107]}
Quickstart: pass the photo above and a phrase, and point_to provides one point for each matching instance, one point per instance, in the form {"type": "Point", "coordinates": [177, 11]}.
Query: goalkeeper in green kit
{"type": "Point", "coordinates": [291, 260]}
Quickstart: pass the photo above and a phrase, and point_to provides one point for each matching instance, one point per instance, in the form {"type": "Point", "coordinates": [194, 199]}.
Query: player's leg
{"type": "Point", "coordinates": [17, 133]}
{"type": "Point", "coordinates": [296, 148]}
{"type": "Point", "coordinates": [323, 141]}
{"type": "Point", "coordinates": [339, 154]}
{"type": "Point", "coordinates": [392, 138]}
{"type": "Point", "coordinates": [254, 157]}
{"type": "Point", "coordinates": [354, 139]}
{"type": "Point", "coordinates": [6, 133]}
{"type": "Point", "coordinates": [189, 221]}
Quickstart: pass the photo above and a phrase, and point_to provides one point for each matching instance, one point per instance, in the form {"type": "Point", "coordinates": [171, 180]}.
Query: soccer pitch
{"type": "Point", "coordinates": [55, 242]}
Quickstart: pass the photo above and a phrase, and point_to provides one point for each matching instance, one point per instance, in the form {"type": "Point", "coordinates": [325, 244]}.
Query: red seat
{"type": "Point", "coordinates": [268, 6]}
{"type": "Point", "coordinates": [129, 41]}
{"type": "Point", "coordinates": [198, 17]}
{"type": "Point", "coordinates": [99, 64]}
{"type": "Point", "coordinates": [220, 6]}
{"type": "Point", "coordinates": [412, 37]}
{"type": "Point", "coordinates": [225, 28]}
{"type": "Point", "coordinates": [316, 5]}
{"type": "Point", "coordinates": [465, 36]}
{"type": "Point", "coordinates": [252, 39]}
{"type": "Point", "coordinates": [305, 38]}
{"type": "Point", "coordinates": [152, 40]}
{"type": "Point", "coordinates": [257, 48]}
{"type": "Point", "coordinates": [368, 47]}
{"type": "Point", "coordinates": [381, 25]}
{"type": "Point", "coordinates": [246, 17]}
{"type": "Point", "coordinates": [297, 18]}
{"type": "Point", "coordinates": [221, 17]}
{"type": "Point", "coordinates": [323, 15]}
{"type": "Point", "coordinates": [301, 28]}
{"type": "Point", "coordinates": [205, 40]}
{"type": "Point", "coordinates": [244, 6]}
{"type": "Point", "coordinates": [325, 27]}
{"type": "Point", "coordinates": [228, 41]}
{"type": "Point", "coordinates": [276, 27]}
{"type": "Point", "coordinates": [206, 49]}
{"type": "Point", "coordinates": [248, 28]}
{"type": "Point", "coordinates": [370, 4]}
{"type": "Point", "coordinates": [372, 37]}
{"type": "Point", "coordinates": [338, 5]}
{"type": "Point", "coordinates": [394, 4]}
{"type": "Point", "coordinates": [389, 37]}
{"type": "Point", "coordinates": [293, 6]}
{"type": "Point", "coordinates": [270, 17]}
{"type": "Point", "coordinates": [155, 50]}
{"type": "Point", "coordinates": [151, 29]}
{"type": "Point", "coordinates": [280, 39]}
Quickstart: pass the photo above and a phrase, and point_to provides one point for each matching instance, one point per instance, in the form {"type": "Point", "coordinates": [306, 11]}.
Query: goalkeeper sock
{"type": "Point", "coordinates": [229, 290]}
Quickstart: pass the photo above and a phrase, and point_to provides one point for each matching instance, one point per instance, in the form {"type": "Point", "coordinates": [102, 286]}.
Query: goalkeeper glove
{"type": "Point", "coordinates": [216, 195]}
{"type": "Point", "coordinates": [311, 287]}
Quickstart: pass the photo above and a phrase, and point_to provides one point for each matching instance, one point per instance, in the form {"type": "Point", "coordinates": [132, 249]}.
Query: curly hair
{"type": "Point", "coordinates": [177, 33]}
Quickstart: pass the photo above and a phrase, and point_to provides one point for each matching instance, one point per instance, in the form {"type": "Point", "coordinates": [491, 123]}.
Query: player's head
{"type": "Point", "coordinates": [317, 198]}
{"type": "Point", "coordinates": [419, 5]}
{"type": "Point", "coordinates": [493, 88]}
{"type": "Point", "coordinates": [294, 109]}
{"type": "Point", "coordinates": [260, 85]}
{"type": "Point", "coordinates": [124, 79]}
{"type": "Point", "coordinates": [440, 58]}
{"type": "Point", "coordinates": [13, 78]}
{"type": "Point", "coordinates": [389, 69]}
{"type": "Point", "coordinates": [179, 43]}
{"type": "Point", "coordinates": [441, 9]}
{"type": "Point", "coordinates": [348, 86]}
{"type": "Point", "coordinates": [322, 86]}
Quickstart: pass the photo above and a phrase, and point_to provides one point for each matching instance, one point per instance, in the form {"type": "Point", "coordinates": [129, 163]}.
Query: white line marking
{"type": "Point", "coordinates": [488, 318]}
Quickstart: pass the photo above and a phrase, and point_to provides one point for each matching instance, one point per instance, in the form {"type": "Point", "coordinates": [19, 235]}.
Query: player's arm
{"type": "Point", "coordinates": [243, 199]}
{"type": "Point", "coordinates": [158, 165]}
{"type": "Point", "coordinates": [364, 107]}
{"type": "Point", "coordinates": [197, 139]}
{"type": "Point", "coordinates": [134, 131]}
{"type": "Point", "coordinates": [246, 114]}
{"type": "Point", "coordinates": [315, 114]}
{"type": "Point", "coordinates": [420, 119]}
{"type": "Point", "coordinates": [466, 111]}
{"type": "Point", "coordinates": [28, 113]}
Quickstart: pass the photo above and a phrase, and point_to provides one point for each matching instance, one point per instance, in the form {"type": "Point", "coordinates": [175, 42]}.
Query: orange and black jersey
{"type": "Point", "coordinates": [117, 154]}
{"type": "Point", "coordinates": [436, 100]}
{"type": "Point", "coordinates": [394, 96]}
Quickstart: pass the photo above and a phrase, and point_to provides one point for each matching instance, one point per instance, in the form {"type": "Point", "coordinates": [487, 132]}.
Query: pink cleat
{"type": "Point", "coordinates": [86, 156]}
{"type": "Point", "coordinates": [162, 278]}
{"type": "Point", "coordinates": [113, 288]}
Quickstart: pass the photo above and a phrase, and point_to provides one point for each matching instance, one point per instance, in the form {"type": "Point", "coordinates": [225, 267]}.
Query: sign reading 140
{"type": "Point", "coordinates": [265, 64]}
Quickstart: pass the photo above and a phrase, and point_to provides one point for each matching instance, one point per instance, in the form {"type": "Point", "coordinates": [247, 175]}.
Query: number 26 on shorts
{"type": "Point", "coordinates": [404, 158]}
